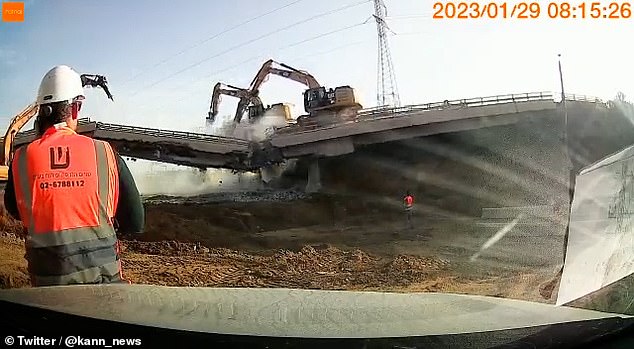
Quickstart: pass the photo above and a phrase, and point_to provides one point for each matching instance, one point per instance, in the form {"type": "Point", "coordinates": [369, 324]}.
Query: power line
{"type": "Point", "coordinates": [213, 37]}
{"type": "Point", "coordinates": [326, 34]}
{"type": "Point", "coordinates": [263, 57]}
{"type": "Point", "coordinates": [337, 48]}
{"type": "Point", "coordinates": [254, 40]}
{"type": "Point", "coordinates": [285, 47]}
{"type": "Point", "coordinates": [250, 42]}
{"type": "Point", "coordinates": [231, 67]}
{"type": "Point", "coordinates": [282, 48]}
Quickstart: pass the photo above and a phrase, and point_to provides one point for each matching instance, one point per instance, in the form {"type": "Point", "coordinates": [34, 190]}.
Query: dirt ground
{"type": "Point", "coordinates": [315, 243]}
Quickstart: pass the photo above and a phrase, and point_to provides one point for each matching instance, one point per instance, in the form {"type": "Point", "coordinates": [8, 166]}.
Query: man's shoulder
{"type": "Point", "coordinates": [96, 141]}
{"type": "Point", "coordinates": [69, 137]}
{"type": "Point", "coordinates": [20, 148]}
{"type": "Point", "coordinates": [84, 137]}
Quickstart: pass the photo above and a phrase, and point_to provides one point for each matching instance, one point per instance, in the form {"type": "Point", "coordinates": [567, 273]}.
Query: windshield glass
{"type": "Point", "coordinates": [476, 148]}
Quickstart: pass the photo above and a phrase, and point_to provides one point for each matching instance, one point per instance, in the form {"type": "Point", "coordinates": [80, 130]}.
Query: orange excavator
{"type": "Point", "coordinates": [23, 117]}
{"type": "Point", "coordinates": [341, 101]}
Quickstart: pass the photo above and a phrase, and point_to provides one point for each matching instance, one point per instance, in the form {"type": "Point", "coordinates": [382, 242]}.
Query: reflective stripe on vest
{"type": "Point", "coordinates": [66, 189]}
{"type": "Point", "coordinates": [109, 271]}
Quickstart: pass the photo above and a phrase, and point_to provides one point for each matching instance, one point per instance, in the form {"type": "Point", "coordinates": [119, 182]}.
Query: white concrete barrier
{"type": "Point", "coordinates": [600, 247]}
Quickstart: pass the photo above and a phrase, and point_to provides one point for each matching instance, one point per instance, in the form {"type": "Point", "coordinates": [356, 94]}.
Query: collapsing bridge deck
{"type": "Point", "coordinates": [376, 125]}
{"type": "Point", "coordinates": [181, 148]}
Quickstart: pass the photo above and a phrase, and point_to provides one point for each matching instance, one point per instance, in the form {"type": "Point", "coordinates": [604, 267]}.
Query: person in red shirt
{"type": "Point", "coordinates": [408, 202]}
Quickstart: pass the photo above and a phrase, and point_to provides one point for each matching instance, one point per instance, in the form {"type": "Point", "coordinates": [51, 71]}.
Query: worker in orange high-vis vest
{"type": "Point", "coordinates": [408, 202]}
{"type": "Point", "coordinates": [71, 193]}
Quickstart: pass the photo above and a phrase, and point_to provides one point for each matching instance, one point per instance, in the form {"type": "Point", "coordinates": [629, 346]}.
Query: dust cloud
{"type": "Point", "coordinates": [165, 179]}
{"type": "Point", "coordinates": [155, 178]}
{"type": "Point", "coordinates": [255, 132]}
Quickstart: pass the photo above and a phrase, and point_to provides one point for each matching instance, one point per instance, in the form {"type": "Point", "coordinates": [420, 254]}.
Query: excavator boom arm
{"type": "Point", "coordinates": [92, 80]}
{"type": "Point", "coordinates": [310, 81]}
{"type": "Point", "coordinates": [302, 78]}
{"type": "Point", "coordinates": [260, 76]}
{"type": "Point", "coordinates": [14, 127]}
{"type": "Point", "coordinates": [229, 91]}
{"type": "Point", "coordinates": [285, 71]}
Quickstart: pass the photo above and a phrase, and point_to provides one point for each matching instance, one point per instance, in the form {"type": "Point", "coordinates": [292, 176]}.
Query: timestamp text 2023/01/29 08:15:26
{"type": "Point", "coordinates": [532, 10]}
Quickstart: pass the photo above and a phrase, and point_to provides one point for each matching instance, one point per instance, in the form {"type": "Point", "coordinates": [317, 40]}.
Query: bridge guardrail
{"type": "Point", "coordinates": [31, 132]}
{"type": "Point", "coordinates": [470, 102]}
{"type": "Point", "coordinates": [378, 113]}
{"type": "Point", "coordinates": [172, 134]}
{"type": "Point", "coordinates": [154, 132]}
{"type": "Point", "coordinates": [477, 102]}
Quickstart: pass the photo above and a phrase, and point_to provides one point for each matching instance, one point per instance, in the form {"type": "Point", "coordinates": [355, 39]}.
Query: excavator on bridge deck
{"type": "Point", "coordinates": [23, 117]}
{"type": "Point", "coordinates": [340, 102]}
{"type": "Point", "coordinates": [249, 102]}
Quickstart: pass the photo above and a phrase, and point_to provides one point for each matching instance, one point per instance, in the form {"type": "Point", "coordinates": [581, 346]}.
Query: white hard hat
{"type": "Point", "coordinates": [61, 83]}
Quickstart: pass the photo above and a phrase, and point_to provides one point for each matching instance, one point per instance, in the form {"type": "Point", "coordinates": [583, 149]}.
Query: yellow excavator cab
{"type": "Point", "coordinates": [342, 97]}
{"type": "Point", "coordinates": [282, 110]}
{"type": "Point", "coordinates": [345, 96]}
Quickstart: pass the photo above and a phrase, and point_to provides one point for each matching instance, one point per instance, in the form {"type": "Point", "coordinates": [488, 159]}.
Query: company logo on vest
{"type": "Point", "coordinates": [62, 160]}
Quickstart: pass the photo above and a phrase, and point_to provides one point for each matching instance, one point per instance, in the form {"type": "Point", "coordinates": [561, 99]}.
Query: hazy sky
{"type": "Point", "coordinates": [134, 43]}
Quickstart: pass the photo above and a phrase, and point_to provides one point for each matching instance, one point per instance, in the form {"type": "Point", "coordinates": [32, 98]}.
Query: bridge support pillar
{"type": "Point", "coordinates": [270, 173]}
{"type": "Point", "coordinates": [313, 184]}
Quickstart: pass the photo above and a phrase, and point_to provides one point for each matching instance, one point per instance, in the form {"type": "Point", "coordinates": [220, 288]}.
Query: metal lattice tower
{"type": "Point", "coordinates": [386, 89]}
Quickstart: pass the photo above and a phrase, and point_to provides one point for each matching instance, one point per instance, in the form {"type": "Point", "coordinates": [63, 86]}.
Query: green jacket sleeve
{"type": "Point", "coordinates": [130, 213]}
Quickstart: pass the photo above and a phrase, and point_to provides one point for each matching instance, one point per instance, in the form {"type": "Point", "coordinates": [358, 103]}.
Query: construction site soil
{"type": "Point", "coordinates": [291, 240]}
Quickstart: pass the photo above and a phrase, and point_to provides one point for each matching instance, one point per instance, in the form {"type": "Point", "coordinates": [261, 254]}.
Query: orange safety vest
{"type": "Point", "coordinates": [409, 201]}
{"type": "Point", "coordinates": [67, 187]}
